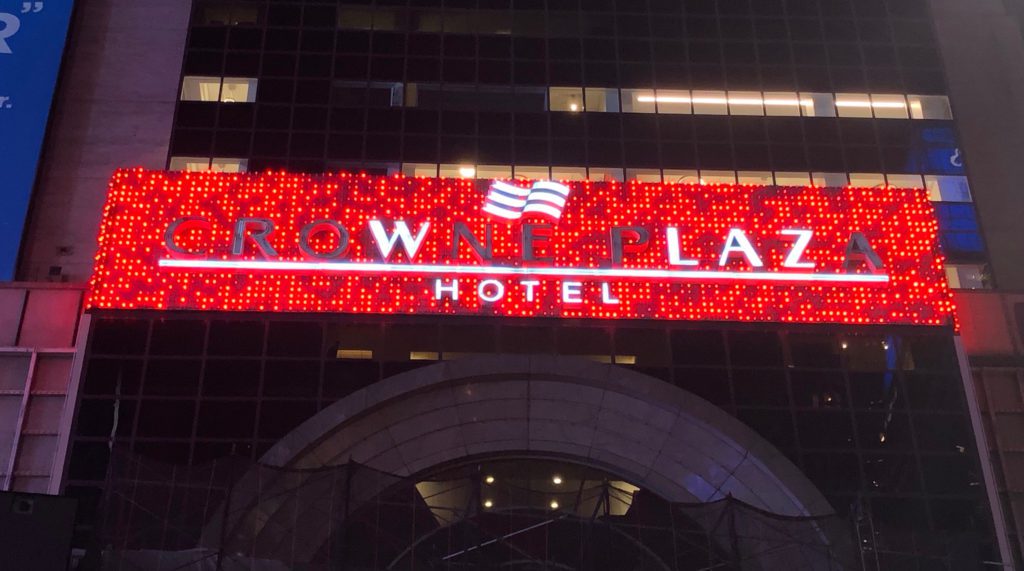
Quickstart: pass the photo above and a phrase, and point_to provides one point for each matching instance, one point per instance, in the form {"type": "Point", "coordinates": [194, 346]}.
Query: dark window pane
{"type": "Point", "coordinates": [698, 347]}
{"type": "Point", "coordinates": [294, 339]}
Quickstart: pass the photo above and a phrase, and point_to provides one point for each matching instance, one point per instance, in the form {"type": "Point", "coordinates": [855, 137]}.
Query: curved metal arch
{"type": "Point", "coordinates": [651, 433]}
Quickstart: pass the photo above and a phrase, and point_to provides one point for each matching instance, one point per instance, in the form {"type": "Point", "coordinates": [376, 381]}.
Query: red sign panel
{"type": "Point", "coordinates": [386, 245]}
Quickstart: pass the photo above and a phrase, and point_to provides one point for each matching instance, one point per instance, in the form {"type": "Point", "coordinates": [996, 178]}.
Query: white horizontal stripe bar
{"type": "Point", "coordinates": [510, 188]}
{"type": "Point", "coordinates": [546, 197]}
{"type": "Point", "coordinates": [543, 209]}
{"type": "Point", "coordinates": [503, 199]}
{"type": "Point", "coordinates": [502, 212]}
{"type": "Point", "coordinates": [554, 186]}
{"type": "Point", "coordinates": [372, 267]}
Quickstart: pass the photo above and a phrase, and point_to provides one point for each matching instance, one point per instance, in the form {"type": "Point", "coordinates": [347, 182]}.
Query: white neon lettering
{"type": "Point", "coordinates": [675, 256]}
{"type": "Point", "coordinates": [440, 289]}
{"type": "Point", "coordinates": [529, 285]}
{"type": "Point", "coordinates": [803, 238]}
{"type": "Point", "coordinates": [571, 292]}
{"type": "Point", "coordinates": [606, 295]}
{"type": "Point", "coordinates": [11, 25]}
{"type": "Point", "coordinates": [386, 244]}
{"type": "Point", "coordinates": [498, 290]}
{"type": "Point", "coordinates": [371, 268]}
{"type": "Point", "coordinates": [737, 243]}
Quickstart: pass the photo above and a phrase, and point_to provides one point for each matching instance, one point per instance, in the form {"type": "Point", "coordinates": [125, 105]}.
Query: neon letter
{"type": "Point", "coordinates": [803, 238]}
{"type": "Point", "coordinates": [330, 226]}
{"type": "Point", "coordinates": [386, 244]}
{"type": "Point", "coordinates": [441, 289]}
{"type": "Point", "coordinates": [606, 295]}
{"type": "Point", "coordinates": [499, 290]}
{"type": "Point", "coordinates": [263, 228]}
{"type": "Point", "coordinates": [571, 292]}
{"type": "Point", "coordinates": [529, 285]}
{"type": "Point", "coordinates": [184, 223]}
{"type": "Point", "coordinates": [737, 243]}
{"type": "Point", "coordinates": [858, 250]}
{"type": "Point", "coordinates": [11, 26]}
{"type": "Point", "coordinates": [675, 257]}
{"type": "Point", "coordinates": [638, 239]}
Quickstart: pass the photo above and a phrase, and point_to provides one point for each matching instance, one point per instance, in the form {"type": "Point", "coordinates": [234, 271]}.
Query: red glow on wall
{"type": "Point", "coordinates": [135, 268]}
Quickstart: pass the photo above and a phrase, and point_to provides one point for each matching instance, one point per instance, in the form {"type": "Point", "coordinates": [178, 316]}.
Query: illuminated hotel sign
{"type": "Point", "coordinates": [396, 245]}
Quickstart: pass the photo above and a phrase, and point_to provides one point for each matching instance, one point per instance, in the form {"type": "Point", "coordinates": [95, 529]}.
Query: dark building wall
{"type": "Point", "coordinates": [983, 53]}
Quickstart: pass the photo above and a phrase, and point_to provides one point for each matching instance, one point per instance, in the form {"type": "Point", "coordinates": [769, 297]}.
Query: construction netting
{"type": "Point", "coordinates": [509, 514]}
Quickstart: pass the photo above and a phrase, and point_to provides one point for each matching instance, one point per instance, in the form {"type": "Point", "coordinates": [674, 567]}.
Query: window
{"type": "Point", "coordinates": [830, 179]}
{"type": "Point", "coordinates": [200, 89]}
{"type": "Point", "coordinates": [818, 104]}
{"type": "Point", "coordinates": [457, 171]}
{"type": "Point", "coordinates": [929, 107]}
{"type": "Point", "coordinates": [606, 174]}
{"type": "Point", "coordinates": [226, 90]}
{"type": "Point", "coordinates": [904, 180]}
{"type": "Point", "coordinates": [643, 175]}
{"type": "Point", "coordinates": [568, 173]}
{"type": "Point", "coordinates": [350, 18]}
{"type": "Point", "coordinates": [202, 164]}
{"type": "Point", "coordinates": [566, 99]}
{"type": "Point", "coordinates": [229, 15]}
{"type": "Point", "coordinates": [717, 177]}
{"type": "Point", "coordinates": [532, 173]}
{"type": "Point", "coordinates": [674, 101]}
{"type": "Point", "coordinates": [889, 106]}
{"type": "Point", "coordinates": [493, 171]}
{"type": "Point", "coordinates": [238, 90]}
{"type": "Point", "coordinates": [867, 179]}
{"type": "Point", "coordinates": [966, 276]}
{"type": "Point", "coordinates": [681, 176]}
{"type": "Point", "coordinates": [958, 229]}
{"type": "Point", "coordinates": [746, 103]}
{"type": "Point", "coordinates": [189, 163]}
{"type": "Point", "coordinates": [710, 103]}
{"type": "Point", "coordinates": [755, 178]}
{"type": "Point", "coordinates": [781, 104]}
{"type": "Point", "coordinates": [947, 188]}
{"type": "Point", "coordinates": [853, 104]}
{"type": "Point", "coordinates": [420, 169]}
{"type": "Point", "coordinates": [792, 179]}
{"type": "Point", "coordinates": [602, 100]}
{"type": "Point", "coordinates": [639, 101]}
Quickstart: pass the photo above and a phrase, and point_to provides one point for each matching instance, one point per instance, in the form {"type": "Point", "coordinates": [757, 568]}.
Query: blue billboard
{"type": "Point", "coordinates": [32, 36]}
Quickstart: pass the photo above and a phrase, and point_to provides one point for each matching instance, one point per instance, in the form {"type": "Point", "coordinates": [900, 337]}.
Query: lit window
{"type": "Point", "coordinates": [426, 21]}
{"type": "Point", "coordinates": [853, 104]}
{"type": "Point", "coordinates": [818, 104]}
{"type": "Point", "coordinates": [710, 103]}
{"type": "Point", "coordinates": [718, 177]}
{"type": "Point", "coordinates": [602, 100]}
{"type": "Point", "coordinates": [420, 169]}
{"type": "Point", "coordinates": [625, 359]}
{"type": "Point", "coordinates": [355, 19]}
{"type": "Point", "coordinates": [566, 99]}
{"type": "Point", "coordinates": [781, 104]}
{"type": "Point", "coordinates": [354, 354]}
{"type": "Point", "coordinates": [385, 19]}
{"type": "Point", "coordinates": [423, 356]}
{"type": "Point", "coordinates": [189, 164]}
{"type": "Point", "coordinates": [681, 176]}
{"type": "Point", "coordinates": [792, 178]}
{"type": "Point", "coordinates": [638, 101]}
{"type": "Point", "coordinates": [457, 171]}
{"type": "Point", "coordinates": [929, 107]}
{"type": "Point", "coordinates": [966, 276]}
{"type": "Point", "coordinates": [830, 179]}
{"type": "Point", "coordinates": [532, 173]}
{"type": "Point", "coordinates": [568, 173]}
{"type": "Point", "coordinates": [493, 171]}
{"type": "Point", "coordinates": [755, 177]}
{"type": "Point", "coordinates": [674, 101]}
{"type": "Point", "coordinates": [947, 188]}
{"type": "Point", "coordinates": [229, 165]}
{"type": "Point", "coordinates": [867, 179]}
{"type": "Point", "coordinates": [904, 180]}
{"type": "Point", "coordinates": [889, 106]}
{"type": "Point", "coordinates": [228, 15]}
{"type": "Point", "coordinates": [602, 174]}
{"type": "Point", "coordinates": [200, 89]}
{"type": "Point", "coordinates": [643, 175]}
{"type": "Point", "coordinates": [746, 103]}
{"type": "Point", "coordinates": [238, 90]}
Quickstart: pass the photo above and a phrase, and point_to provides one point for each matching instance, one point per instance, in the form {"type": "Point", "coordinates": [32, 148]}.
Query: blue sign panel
{"type": "Point", "coordinates": [32, 36]}
{"type": "Point", "coordinates": [935, 151]}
